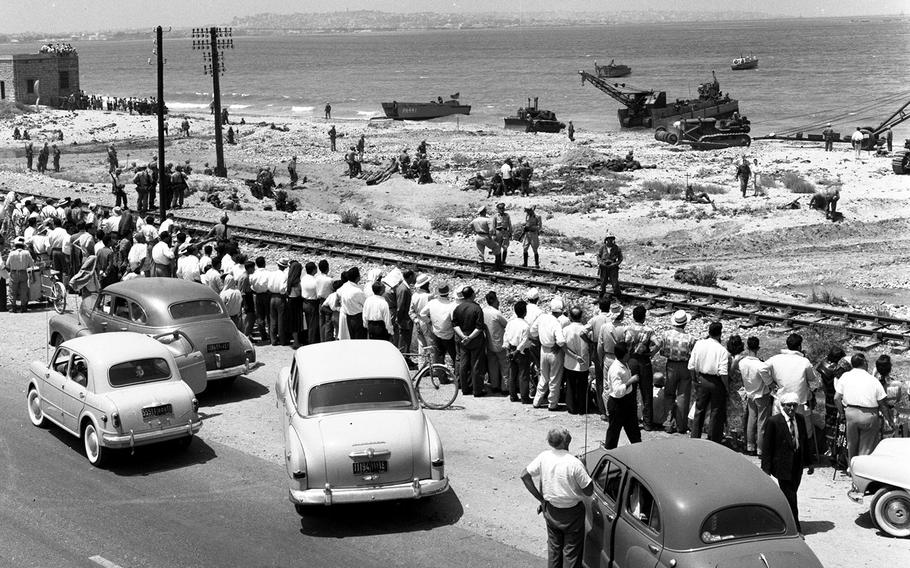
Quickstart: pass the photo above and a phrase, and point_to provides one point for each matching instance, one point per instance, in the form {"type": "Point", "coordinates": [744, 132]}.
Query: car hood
{"type": "Point", "coordinates": [129, 402]}
{"type": "Point", "coordinates": [888, 463]}
{"type": "Point", "coordinates": [787, 552]}
{"type": "Point", "coordinates": [397, 437]}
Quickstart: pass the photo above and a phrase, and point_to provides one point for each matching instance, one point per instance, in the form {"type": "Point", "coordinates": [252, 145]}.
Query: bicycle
{"type": "Point", "coordinates": [48, 287]}
{"type": "Point", "coordinates": [435, 383]}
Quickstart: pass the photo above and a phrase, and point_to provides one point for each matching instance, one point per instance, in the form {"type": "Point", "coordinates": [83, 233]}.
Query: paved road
{"type": "Point", "coordinates": [209, 506]}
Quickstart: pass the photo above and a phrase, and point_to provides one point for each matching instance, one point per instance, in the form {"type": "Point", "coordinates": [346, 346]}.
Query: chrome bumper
{"type": "Point", "coordinates": [131, 439]}
{"type": "Point", "coordinates": [228, 372]}
{"type": "Point", "coordinates": [331, 496]}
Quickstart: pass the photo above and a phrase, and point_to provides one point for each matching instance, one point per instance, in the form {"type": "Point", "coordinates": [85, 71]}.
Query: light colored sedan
{"type": "Point", "coordinates": [885, 475]}
{"type": "Point", "coordinates": [115, 390]}
{"type": "Point", "coordinates": [353, 428]}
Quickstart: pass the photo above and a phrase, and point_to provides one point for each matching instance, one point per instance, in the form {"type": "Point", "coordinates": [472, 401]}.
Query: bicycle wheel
{"type": "Point", "coordinates": [58, 297]}
{"type": "Point", "coordinates": [436, 386]}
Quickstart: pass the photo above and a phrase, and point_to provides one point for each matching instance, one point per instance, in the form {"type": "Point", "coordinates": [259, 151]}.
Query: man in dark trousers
{"type": "Point", "coordinates": [609, 257]}
{"type": "Point", "coordinates": [786, 451]}
{"type": "Point", "coordinates": [467, 321]}
{"type": "Point", "coordinates": [29, 153]}
{"type": "Point", "coordinates": [743, 173]}
{"type": "Point", "coordinates": [829, 137]}
{"type": "Point", "coordinates": [333, 134]}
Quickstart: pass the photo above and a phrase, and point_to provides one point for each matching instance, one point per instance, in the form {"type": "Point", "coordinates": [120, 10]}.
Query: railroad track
{"type": "Point", "coordinates": [870, 329]}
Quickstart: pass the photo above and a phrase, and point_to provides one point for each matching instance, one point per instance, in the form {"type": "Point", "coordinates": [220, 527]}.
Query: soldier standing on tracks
{"type": "Point", "coordinates": [609, 257]}
{"type": "Point", "coordinates": [502, 227]}
{"type": "Point", "coordinates": [483, 231]}
{"type": "Point", "coordinates": [743, 173]}
{"type": "Point", "coordinates": [829, 137]}
{"type": "Point", "coordinates": [531, 235]}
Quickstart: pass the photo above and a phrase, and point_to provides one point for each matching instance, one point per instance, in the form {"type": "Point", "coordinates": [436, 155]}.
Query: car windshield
{"type": "Point", "coordinates": [360, 394]}
{"type": "Point", "coordinates": [139, 371]}
{"type": "Point", "coordinates": [194, 309]}
{"type": "Point", "coordinates": [745, 521]}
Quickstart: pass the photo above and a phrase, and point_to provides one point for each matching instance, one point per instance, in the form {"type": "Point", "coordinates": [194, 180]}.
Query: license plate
{"type": "Point", "coordinates": [153, 411]}
{"type": "Point", "coordinates": [213, 347]}
{"type": "Point", "coordinates": [370, 467]}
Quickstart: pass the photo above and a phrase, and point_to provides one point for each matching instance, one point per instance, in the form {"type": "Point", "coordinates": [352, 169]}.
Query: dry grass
{"type": "Point", "coordinates": [797, 183]}
{"type": "Point", "coordinates": [818, 341]}
{"type": "Point", "coordinates": [656, 189]}
{"type": "Point", "coordinates": [349, 217]}
{"type": "Point", "coordinates": [825, 296]}
{"type": "Point", "coordinates": [449, 225]}
{"type": "Point", "coordinates": [367, 225]}
{"type": "Point", "coordinates": [698, 276]}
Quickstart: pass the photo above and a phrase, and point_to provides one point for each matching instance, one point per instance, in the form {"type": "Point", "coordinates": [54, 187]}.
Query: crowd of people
{"type": "Point", "coordinates": [138, 105]}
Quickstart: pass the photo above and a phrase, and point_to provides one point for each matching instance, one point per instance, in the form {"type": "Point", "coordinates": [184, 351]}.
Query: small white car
{"type": "Point", "coordinates": [113, 390]}
{"type": "Point", "coordinates": [885, 474]}
{"type": "Point", "coordinates": [353, 428]}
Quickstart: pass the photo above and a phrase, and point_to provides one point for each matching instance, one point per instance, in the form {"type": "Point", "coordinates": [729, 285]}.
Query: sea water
{"type": "Point", "coordinates": [809, 69]}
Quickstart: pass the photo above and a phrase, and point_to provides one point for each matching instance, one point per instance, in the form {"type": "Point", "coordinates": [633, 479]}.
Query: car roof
{"type": "Point", "coordinates": [692, 478]}
{"type": "Point", "coordinates": [348, 359]}
{"type": "Point", "coordinates": [168, 290]}
{"type": "Point", "coordinates": [104, 349]}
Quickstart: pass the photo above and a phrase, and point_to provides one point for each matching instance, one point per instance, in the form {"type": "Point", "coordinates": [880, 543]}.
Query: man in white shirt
{"type": "Point", "coordinates": [517, 340]}
{"type": "Point", "coordinates": [278, 289]}
{"type": "Point", "coordinates": [311, 302]}
{"type": "Point", "coordinates": [497, 361]}
{"type": "Point", "coordinates": [439, 313]}
{"type": "Point", "coordinates": [163, 256]}
{"type": "Point", "coordinates": [210, 276]}
{"type": "Point", "coordinates": [594, 325]}
{"type": "Point", "coordinates": [577, 362]}
{"type": "Point", "coordinates": [377, 318]}
{"type": "Point", "coordinates": [857, 140]}
{"type": "Point", "coordinates": [323, 291]}
{"type": "Point", "coordinates": [148, 230]}
{"type": "Point", "coordinates": [188, 264]}
{"type": "Point", "coordinates": [138, 252]}
{"type": "Point", "coordinates": [564, 485]}
{"type": "Point", "coordinates": [710, 362]}
{"type": "Point", "coordinates": [552, 344]}
{"type": "Point", "coordinates": [793, 372]}
{"type": "Point", "coordinates": [167, 223]}
{"type": "Point", "coordinates": [756, 382]}
{"type": "Point", "coordinates": [532, 297]}
{"type": "Point", "coordinates": [862, 399]}
{"type": "Point", "coordinates": [112, 223]}
{"type": "Point", "coordinates": [352, 298]}
{"type": "Point", "coordinates": [58, 239]}
{"type": "Point", "coordinates": [259, 283]}
{"type": "Point", "coordinates": [622, 402]}
{"type": "Point", "coordinates": [419, 300]}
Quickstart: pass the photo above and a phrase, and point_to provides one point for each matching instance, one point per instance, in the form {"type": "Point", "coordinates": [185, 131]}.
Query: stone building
{"type": "Point", "coordinates": [51, 76]}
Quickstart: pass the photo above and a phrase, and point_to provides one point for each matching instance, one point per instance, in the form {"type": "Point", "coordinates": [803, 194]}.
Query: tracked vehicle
{"type": "Point", "coordinates": [706, 133]}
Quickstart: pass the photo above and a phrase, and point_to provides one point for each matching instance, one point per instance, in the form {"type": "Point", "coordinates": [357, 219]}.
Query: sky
{"type": "Point", "coordinates": [92, 15]}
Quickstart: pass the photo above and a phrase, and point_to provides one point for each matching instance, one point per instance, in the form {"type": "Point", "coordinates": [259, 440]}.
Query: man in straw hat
{"type": "Point", "coordinates": [438, 312]}
{"type": "Point", "coordinates": [419, 300]}
{"type": "Point", "coordinates": [677, 346]}
{"type": "Point", "coordinates": [482, 226]}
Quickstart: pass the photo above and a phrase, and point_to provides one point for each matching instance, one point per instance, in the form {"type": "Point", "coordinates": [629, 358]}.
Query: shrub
{"type": "Point", "coordinates": [698, 276]}
{"type": "Point", "coordinates": [367, 225]}
{"type": "Point", "coordinates": [709, 188]}
{"type": "Point", "coordinates": [818, 340]}
{"type": "Point", "coordinates": [825, 296]}
{"type": "Point", "coordinates": [350, 217]}
{"type": "Point", "coordinates": [797, 184]}
{"type": "Point", "coordinates": [655, 189]}
{"type": "Point", "coordinates": [448, 225]}
{"type": "Point", "coordinates": [283, 202]}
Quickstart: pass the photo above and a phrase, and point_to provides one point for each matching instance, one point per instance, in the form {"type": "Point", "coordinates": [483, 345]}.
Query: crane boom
{"type": "Point", "coordinates": [897, 117]}
{"type": "Point", "coordinates": [623, 97]}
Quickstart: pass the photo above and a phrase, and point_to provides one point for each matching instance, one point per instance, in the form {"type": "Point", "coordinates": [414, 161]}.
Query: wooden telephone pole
{"type": "Point", "coordinates": [210, 41]}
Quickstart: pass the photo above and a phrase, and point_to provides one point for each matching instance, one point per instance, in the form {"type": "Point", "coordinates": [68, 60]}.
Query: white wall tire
{"type": "Point", "coordinates": [35, 412]}
{"type": "Point", "coordinates": [892, 513]}
{"type": "Point", "coordinates": [94, 451]}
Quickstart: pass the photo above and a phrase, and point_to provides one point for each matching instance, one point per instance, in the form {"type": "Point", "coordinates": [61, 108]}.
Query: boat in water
{"type": "Point", "coordinates": [425, 111]}
{"type": "Point", "coordinates": [534, 119]}
{"type": "Point", "coordinates": [741, 63]}
{"type": "Point", "coordinates": [612, 70]}
{"type": "Point", "coordinates": [650, 109]}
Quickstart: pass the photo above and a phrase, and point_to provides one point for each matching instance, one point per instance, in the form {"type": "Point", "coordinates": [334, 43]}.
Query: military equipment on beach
{"type": "Point", "coordinates": [534, 119]}
{"type": "Point", "coordinates": [901, 162]}
{"type": "Point", "coordinates": [425, 111]}
{"type": "Point", "coordinates": [612, 70]}
{"type": "Point", "coordinates": [706, 133]}
{"type": "Point", "coordinates": [650, 109]}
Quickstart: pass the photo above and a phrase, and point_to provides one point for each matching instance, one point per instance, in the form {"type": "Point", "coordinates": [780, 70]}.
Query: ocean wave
{"type": "Point", "coordinates": [366, 112]}
{"type": "Point", "coordinates": [237, 107]}
{"type": "Point", "coordinates": [302, 109]}
{"type": "Point", "coordinates": [198, 94]}
{"type": "Point", "coordinates": [185, 106]}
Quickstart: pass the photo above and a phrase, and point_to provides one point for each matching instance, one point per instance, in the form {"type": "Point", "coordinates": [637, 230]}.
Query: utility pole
{"type": "Point", "coordinates": [159, 51]}
{"type": "Point", "coordinates": [210, 40]}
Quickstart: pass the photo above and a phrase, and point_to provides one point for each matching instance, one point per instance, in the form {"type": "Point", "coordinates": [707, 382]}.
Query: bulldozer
{"type": "Point", "coordinates": [707, 133]}
{"type": "Point", "coordinates": [901, 162]}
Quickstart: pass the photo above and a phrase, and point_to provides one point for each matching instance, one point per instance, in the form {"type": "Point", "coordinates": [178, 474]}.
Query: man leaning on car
{"type": "Point", "coordinates": [564, 484]}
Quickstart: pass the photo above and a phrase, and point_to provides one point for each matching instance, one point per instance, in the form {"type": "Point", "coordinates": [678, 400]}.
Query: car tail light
{"type": "Point", "coordinates": [195, 405]}
{"type": "Point", "coordinates": [115, 419]}
{"type": "Point", "coordinates": [439, 463]}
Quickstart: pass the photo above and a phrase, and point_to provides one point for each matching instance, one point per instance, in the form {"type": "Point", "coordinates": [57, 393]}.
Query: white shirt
{"type": "Point", "coordinates": [162, 253]}
{"type": "Point", "coordinates": [259, 280]}
{"type": "Point", "coordinates": [227, 263]}
{"type": "Point", "coordinates": [709, 357]}
{"type": "Point", "coordinates": [166, 225]}
{"type": "Point", "coordinates": [532, 314]}
{"type": "Point", "coordinates": [617, 376]}
{"type": "Point", "coordinates": [188, 268]}
{"type": "Point", "coordinates": [857, 137]}
{"type": "Point", "coordinates": [212, 279]}
{"type": "Point", "coordinates": [58, 238]}
{"type": "Point", "coordinates": [575, 334]}
{"type": "Point", "coordinates": [517, 334]}
{"type": "Point", "coordinates": [111, 224]}
{"type": "Point", "coordinates": [756, 376]}
{"type": "Point", "coordinates": [562, 477]}
{"type": "Point", "coordinates": [549, 330]}
{"type": "Point", "coordinates": [352, 299]}
{"type": "Point", "coordinates": [793, 372]}
{"type": "Point", "coordinates": [418, 301]}
{"type": "Point", "coordinates": [323, 285]}
{"type": "Point", "coordinates": [232, 300]}
{"type": "Point", "coordinates": [278, 281]}
{"type": "Point", "coordinates": [308, 286]}
{"type": "Point", "coordinates": [506, 171]}
{"type": "Point", "coordinates": [496, 325]}
{"type": "Point", "coordinates": [859, 388]}
{"type": "Point", "coordinates": [138, 252]}
{"type": "Point", "coordinates": [439, 310]}
{"type": "Point", "coordinates": [149, 232]}
{"type": "Point", "coordinates": [98, 246]}
{"type": "Point", "coordinates": [375, 308]}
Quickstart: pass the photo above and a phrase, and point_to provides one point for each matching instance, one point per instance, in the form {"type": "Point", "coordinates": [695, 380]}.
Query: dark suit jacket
{"type": "Point", "coordinates": [778, 456]}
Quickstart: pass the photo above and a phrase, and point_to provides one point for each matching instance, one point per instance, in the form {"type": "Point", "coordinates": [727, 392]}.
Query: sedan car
{"type": "Point", "coordinates": [117, 390]}
{"type": "Point", "coordinates": [353, 428]}
{"type": "Point", "coordinates": [687, 503]}
{"type": "Point", "coordinates": [159, 307]}
{"type": "Point", "coordinates": [885, 474]}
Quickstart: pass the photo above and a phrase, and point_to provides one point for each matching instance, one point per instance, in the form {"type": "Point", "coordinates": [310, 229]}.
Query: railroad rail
{"type": "Point", "coordinates": [873, 329]}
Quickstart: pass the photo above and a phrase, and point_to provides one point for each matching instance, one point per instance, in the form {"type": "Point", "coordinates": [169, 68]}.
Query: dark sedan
{"type": "Point", "coordinates": [687, 503]}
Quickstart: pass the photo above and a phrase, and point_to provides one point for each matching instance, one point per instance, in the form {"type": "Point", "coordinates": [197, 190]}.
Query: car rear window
{"type": "Point", "coordinates": [194, 309]}
{"type": "Point", "coordinates": [139, 371]}
{"type": "Point", "coordinates": [360, 394]}
{"type": "Point", "coordinates": [744, 521]}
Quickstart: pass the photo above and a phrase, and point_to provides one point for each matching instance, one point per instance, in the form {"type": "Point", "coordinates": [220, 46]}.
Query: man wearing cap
{"type": "Point", "coordinates": [786, 450]}
{"type": "Point", "coordinates": [278, 289]}
{"type": "Point", "coordinates": [497, 360]}
{"type": "Point", "coordinates": [18, 263]}
{"type": "Point", "coordinates": [483, 231]}
{"type": "Point", "coordinates": [611, 333]}
{"type": "Point", "coordinates": [677, 346]}
{"type": "Point", "coordinates": [163, 256]}
{"type": "Point", "coordinates": [552, 342]}
{"type": "Point", "coordinates": [419, 300]}
{"type": "Point", "coordinates": [470, 340]}
{"type": "Point", "coordinates": [609, 257]}
{"type": "Point", "coordinates": [517, 341]}
{"type": "Point", "coordinates": [502, 231]}
{"type": "Point", "coordinates": [829, 137]}
{"type": "Point", "coordinates": [438, 312]}
{"type": "Point", "coordinates": [530, 236]}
